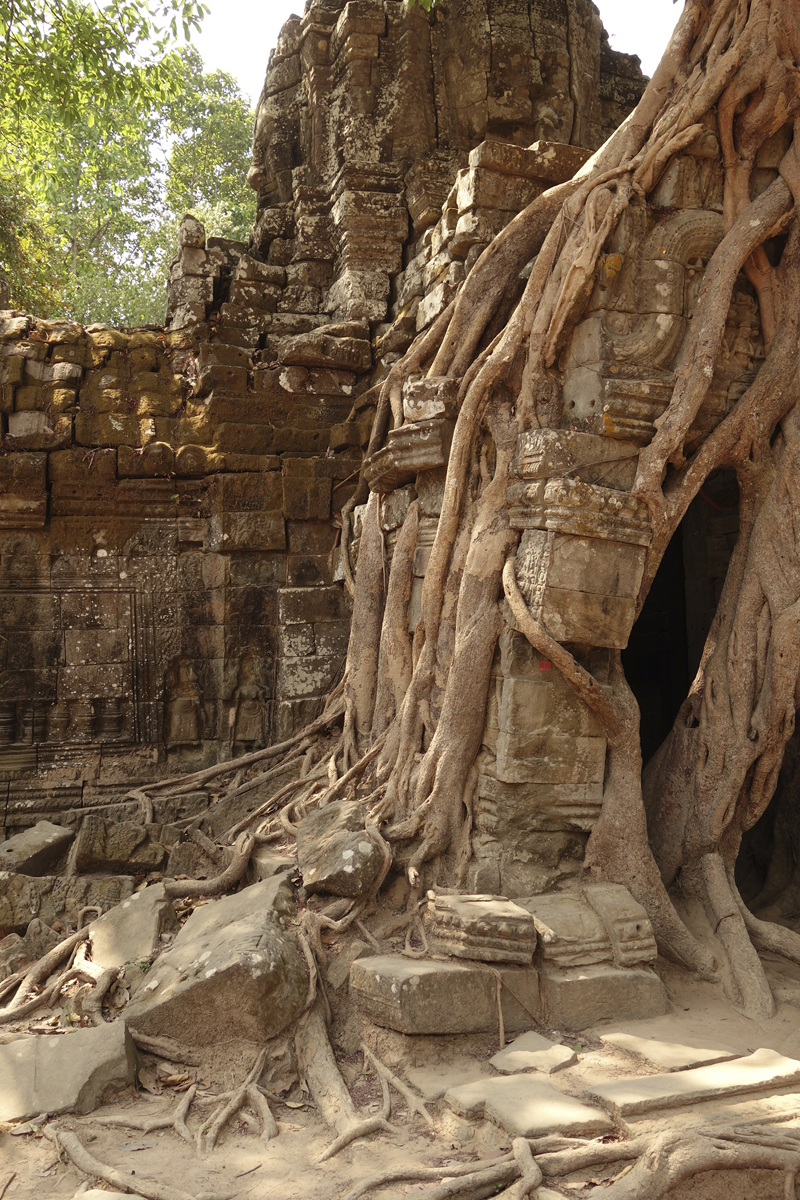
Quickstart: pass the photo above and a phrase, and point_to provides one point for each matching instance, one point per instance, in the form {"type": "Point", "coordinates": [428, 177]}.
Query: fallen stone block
{"type": "Point", "coordinates": [577, 998]}
{"type": "Point", "coordinates": [527, 1106]}
{"type": "Point", "coordinates": [486, 928]}
{"type": "Point", "coordinates": [339, 969]}
{"type": "Point", "coordinates": [34, 850]}
{"type": "Point", "coordinates": [532, 1052]}
{"type": "Point", "coordinates": [764, 1070]}
{"type": "Point", "coordinates": [69, 1073]}
{"type": "Point", "coordinates": [601, 923]}
{"type": "Point", "coordinates": [234, 970]}
{"type": "Point", "coordinates": [131, 932]}
{"type": "Point", "coordinates": [23, 897]}
{"type": "Point", "coordinates": [336, 854]}
{"type": "Point", "coordinates": [668, 1056]}
{"type": "Point", "coordinates": [16, 951]}
{"type": "Point", "coordinates": [105, 845]}
{"type": "Point", "coordinates": [264, 864]}
{"type": "Point", "coordinates": [424, 996]}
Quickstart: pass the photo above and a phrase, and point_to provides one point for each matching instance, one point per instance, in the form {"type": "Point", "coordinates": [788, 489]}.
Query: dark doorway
{"type": "Point", "coordinates": [656, 659]}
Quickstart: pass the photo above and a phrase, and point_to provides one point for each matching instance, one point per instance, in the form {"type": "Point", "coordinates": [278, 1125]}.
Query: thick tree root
{"type": "Point", "coordinates": [19, 1007]}
{"type": "Point", "coordinates": [163, 1047]}
{"type": "Point", "coordinates": [71, 1144]}
{"type": "Point", "coordinates": [179, 888]}
{"type": "Point", "coordinates": [530, 1171]}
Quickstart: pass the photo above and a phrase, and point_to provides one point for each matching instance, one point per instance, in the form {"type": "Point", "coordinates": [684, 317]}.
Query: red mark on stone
{"type": "Point", "coordinates": [544, 665]}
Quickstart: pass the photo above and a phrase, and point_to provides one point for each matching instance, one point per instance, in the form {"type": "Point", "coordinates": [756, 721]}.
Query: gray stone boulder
{"type": "Point", "coordinates": [336, 854]}
{"type": "Point", "coordinates": [23, 897]}
{"type": "Point", "coordinates": [119, 846]}
{"type": "Point", "coordinates": [234, 970]}
{"type": "Point", "coordinates": [17, 952]}
{"type": "Point", "coordinates": [62, 1074]}
{"type": "Point", "coordinates": [33, 851]}
{"type": "Point", "coordinates": [130, 934]}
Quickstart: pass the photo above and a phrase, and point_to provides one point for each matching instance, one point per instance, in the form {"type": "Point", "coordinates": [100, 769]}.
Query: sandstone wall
{"type": "Point", "coordinates": [169, 497]}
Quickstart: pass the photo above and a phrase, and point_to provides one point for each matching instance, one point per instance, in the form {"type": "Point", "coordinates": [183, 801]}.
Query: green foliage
{"type": "Point", "coordinates": [74, 55]}
{"type": "Point", "coordinates": [428, 5]}
{"type": "Point", "coordinates": [105, 192]}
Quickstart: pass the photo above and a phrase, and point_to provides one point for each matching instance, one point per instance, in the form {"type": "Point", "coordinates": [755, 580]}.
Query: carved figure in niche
{"type": "Point", "coordinates": [183, 716]}
{"type": "Point", "coordinates": [246, 719]}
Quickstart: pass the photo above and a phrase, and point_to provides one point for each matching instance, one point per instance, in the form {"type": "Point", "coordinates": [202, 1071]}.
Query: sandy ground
{"type": "Point", "coordinates": [243, 1166]}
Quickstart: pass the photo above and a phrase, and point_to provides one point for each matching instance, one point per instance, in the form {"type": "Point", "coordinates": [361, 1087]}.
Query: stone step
{"type": "Point", "coordinates": [575, 998]}
{"type": "Point", "coordinates": [761, 1071]}
{"type": "Point", "coordinates": [527, 1106]}
{"type": "Point", "coordinates": [668, 1056]}
{"type": "Point", "coordinates": [532, 1052]}
{"type": "Point", "coordinates": [425, 996]}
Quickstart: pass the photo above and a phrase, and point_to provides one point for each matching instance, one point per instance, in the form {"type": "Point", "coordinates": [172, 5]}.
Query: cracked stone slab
{"type": "Point", "coordinates": [669, 1056]}
{"type": "Point", "coordinates": [761, 1071]}
{"type": "Point", "coordinates": [527, 1106]}
{"type": "Point", "coordinates": [532, 1052]}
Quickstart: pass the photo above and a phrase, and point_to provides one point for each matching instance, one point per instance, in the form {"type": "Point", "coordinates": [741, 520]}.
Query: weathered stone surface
{"type": "Point", "coordinates": [131, 932]}
{"type": "Point", "coordinates": [336, 854]}
{"type": "Point", "coordinates": [532, 1052]}
{"type": "Point", "coordinates": [23, 897]}
{"type": "Point", "coordinates": [424, 996]}
{"type": "Point", "coordinates": [339, 970]}
{"type": "Point", "coordinates": [764, 1070]}
{"type": "Point", "coordinates": [124, 846]}
{"type": "Point", "coordinates": [234, 970]}
{"type": "Point", "coordinates": [34, 850]}
{"type": "Point", "coordinates": [579, 997]}
{"type": "Point", "coordinates": [16, 951]}
{"type": "Point", "coordinates": [487, 928]}
{"type": "Point", "coordinates": [600, 923]}
{"type": "Point", "coordinates": [668, 1056]}
{"type": "Point", "coordinates": [527, 1106]}
{"type": "Point", "coordinates": [64, 1074]}
{"type": "Point", "coordinates": [264, 865]}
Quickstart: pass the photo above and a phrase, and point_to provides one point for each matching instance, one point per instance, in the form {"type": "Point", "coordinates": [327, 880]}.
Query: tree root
{"type": "Point", "coordinates": [71, 1144]}
{"type": "Point", "coordinates": [163, 1047]}
{"type": "Point", "coordinates": [178, 888]}
{"type": "Point", "coordinates": [530, 1171]}
{"type": "Point", "coordinates": [209, 1131]}
{"type": "Point", "coordinates": [173, 1120]}
{"type": "Point", "coordinates": [413, 1101]}
{"type": "Point", "coordinates": [38, 973]}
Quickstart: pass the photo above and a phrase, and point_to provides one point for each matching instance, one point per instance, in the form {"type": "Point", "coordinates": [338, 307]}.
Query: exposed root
{"type": "Point", "coordinates": [19, 1007]}
{"type": "Point", "coordinates": [530, 1171]}
{"type": "Point", "coordinates": [163, 1047]}
{"type": "Point", "coordinates": [178, 888]}
{"type": "Point", "coordinates": [172, 1120]}
{"type": "Point", "coordinates": [71, 1144]}
{"type": "Point", "coordinates": [209, 1131]}
{"type": "Point", "coordinates": [414, 1102]}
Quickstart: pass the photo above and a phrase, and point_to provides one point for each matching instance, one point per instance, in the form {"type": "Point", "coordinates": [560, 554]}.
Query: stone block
{"type": "Point", "coordinates": [131, 932]}
{"type": "Point", "coordinates": [64, 1074]}
{"type": "Point", "coordinates": [667, 1056]}
{"type": "Point", "coordinates": [527, 1106]}
{"type": "Point", "coordinates": [601, 923]}
{"type": "Point", "coordinates": [426, 996]}
{"type": "Point", "coordinates": [34, 850]}
{"type": "Point", "coordinates": [550, 758]}
{"type": "Point", "coordinates": [762, 1071]}
{"type": "Point", "coordinates": [532, 1052]}
{"type": "Point", "coordinates": [579, 997]}
{"type": "Point", "coordinates": [550, 162]}
{"type": "Point", "coordinates": [339, 970]}
{"type": "Point", "coordinates": [233, 971]}
{"type": "Point", "coordinates": [486, 928]}
{"type": "Point", "coordinates": [264, 864]}
{"type": "Point", "coordinates": [335, 853]}
{"type": "Point", "coordinates": [16, 951]}
{"type": "Point", "coordinates": [309, 605]}
{"type": "Point", "coordinates": [482, 188]}
{"type": "Point", "coordinates": [119, 846]}
{"type": "Point", "coordinates": [430, 397]}
{"type": "Point", "coordinates": [23, 897]}
{"type": "Point", "coordinates": [321, 349]}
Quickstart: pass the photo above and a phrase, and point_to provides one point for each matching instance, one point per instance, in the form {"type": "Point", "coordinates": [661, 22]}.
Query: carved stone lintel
{"type": "Point", "coordinates": [418, 446]}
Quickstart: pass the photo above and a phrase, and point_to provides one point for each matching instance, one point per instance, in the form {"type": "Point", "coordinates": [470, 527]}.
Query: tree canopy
{"type": "Point", "coordinates": [109, 133]}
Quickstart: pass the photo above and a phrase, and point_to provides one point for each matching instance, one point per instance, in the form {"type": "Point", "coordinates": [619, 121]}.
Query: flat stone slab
{"type": "Point", "coordinates": [64, 1073]}
{"type": "Point", "coordinates": [668, 1056]}
{"type": "Point", "coordinates": [34, 850]}
{"type": "Point", "coordinates": [234, 970]}
{"type": "Point", "coordinates": [427, 996]}
{"type": "Point", "coordinates": [434, 1080]}
{"type": "Point", "coordinates": [761, 1071]}
{"type": "Point", "coordinates": [527, 1106]}
{"type": "Point", "coordinates": [486, 928]}
{"type": "Point", "coordinates": [532, 1052]}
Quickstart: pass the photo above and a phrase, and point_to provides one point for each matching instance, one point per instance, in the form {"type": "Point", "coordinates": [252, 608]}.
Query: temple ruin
{"type": "Point", "coordinates": [331, 599]}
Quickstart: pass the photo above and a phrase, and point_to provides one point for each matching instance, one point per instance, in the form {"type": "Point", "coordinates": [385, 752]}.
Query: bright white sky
{"type": "Point", "coordinates": [238, 35]}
